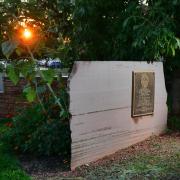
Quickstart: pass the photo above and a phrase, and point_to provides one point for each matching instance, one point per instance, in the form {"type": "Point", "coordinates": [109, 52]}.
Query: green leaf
{"type": "Point", "coordinates": [12, 74]}
{"type": "Point", "coordinates": [173, 51]}
{"type": "Point", "coordinates": [25, 67]}
{"type": "Point", "coordinates": [30, 93]}
{"type": "Point", "coordinates": [41, 89]}
{"type": "Point", "coordinates": [1, 67]}
{"type": "Point", "coordinates": [125, 23]}
{"type": "Point", "coordinates": [178, 42]}
{"type": "Point", "coordinates": [64, 114]}
{"type": "Point", "coordinates": [19, 51]}
{"type": "Point", "coordinates": [8, 47]}
{"type": "Point", "coordinates": [136, 27]}
{"type": "Point", "coordinates": [48, 75]}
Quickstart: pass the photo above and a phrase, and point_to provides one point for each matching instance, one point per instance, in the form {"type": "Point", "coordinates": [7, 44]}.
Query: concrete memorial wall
{"type": "Point", "coordinates": [114, 106]}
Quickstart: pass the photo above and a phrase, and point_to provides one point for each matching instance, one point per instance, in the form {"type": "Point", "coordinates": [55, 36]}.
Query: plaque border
{"type": "Point", "coordinates": [133, 115]}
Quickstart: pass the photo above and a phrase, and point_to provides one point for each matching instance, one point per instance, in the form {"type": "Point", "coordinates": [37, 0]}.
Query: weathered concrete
{"type": "Point", "coordinates": [100, 104]}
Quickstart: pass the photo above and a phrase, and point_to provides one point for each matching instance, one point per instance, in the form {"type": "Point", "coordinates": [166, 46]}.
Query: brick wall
{"type": "Point", "coordinates": [11, 99]}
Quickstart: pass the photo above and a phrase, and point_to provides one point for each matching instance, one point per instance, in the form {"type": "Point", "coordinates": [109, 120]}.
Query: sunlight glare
{"type": "Point", "coordinates": [27, 34]}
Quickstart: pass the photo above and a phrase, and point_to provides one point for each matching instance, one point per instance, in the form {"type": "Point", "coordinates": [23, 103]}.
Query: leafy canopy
{"type": "Point", "coordinates": [126, 30]}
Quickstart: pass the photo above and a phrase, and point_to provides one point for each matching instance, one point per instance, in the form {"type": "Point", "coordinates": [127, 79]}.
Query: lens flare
{"type": "Point", "coordinates": [27, 34]}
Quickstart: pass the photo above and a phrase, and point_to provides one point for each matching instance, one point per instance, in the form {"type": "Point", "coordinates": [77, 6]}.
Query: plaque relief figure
{"type": "Point", "coordinates": [143, 93]}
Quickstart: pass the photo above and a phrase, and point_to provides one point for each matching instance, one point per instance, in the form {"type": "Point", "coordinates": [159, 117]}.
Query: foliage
{"type": "Point", "coordinates": [39, 133]}
{"type": "Point", "coordinates": [7, 121]}
{"type": "Point", "coordinates": [152, 32]}
{"type": "Point", "coordinates": [51, 27]}
{"type": "Point", "coordinates": [106, 30]}
{"type": "Point", "coordinates": [174, 123]}
{"type": "Point", "coordinates": [44, 132]}
{"type": "Point", "coordinates": [98, 30]}
{"type": "Point", "coordinates": [50, 33]}
{"type": "Point", "coordinates": [9, 166]}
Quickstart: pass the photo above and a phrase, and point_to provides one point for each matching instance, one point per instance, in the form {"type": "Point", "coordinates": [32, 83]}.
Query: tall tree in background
{"type": "Point", "coordinates": [126, 30]}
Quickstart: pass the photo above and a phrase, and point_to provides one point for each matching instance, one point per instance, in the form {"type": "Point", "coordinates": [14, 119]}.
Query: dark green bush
{"type": "Point", "coordinates": [39, 133]}
{"type": "Point", "coordinates": [7, 120]}
{"type": "Point", "coordinates": [174, 123]}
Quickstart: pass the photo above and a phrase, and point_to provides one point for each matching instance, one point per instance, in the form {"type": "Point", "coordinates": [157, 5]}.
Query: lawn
{"type": "Point", "coordinates": [9, 166]}
{"type": "Point", "coordinates": [155, 158]}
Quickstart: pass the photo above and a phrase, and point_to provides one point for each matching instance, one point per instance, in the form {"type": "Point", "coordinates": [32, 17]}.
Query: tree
{"type": "Point", "coordinates": [52, 20]}
{"type": "Point", "coordinates": [126, 30]}
{"type": "Point", "coordinates": [50, 30]}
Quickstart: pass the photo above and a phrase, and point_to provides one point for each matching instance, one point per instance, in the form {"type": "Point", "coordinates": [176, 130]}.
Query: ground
{"type": "Point", "coordinates": [155, 158]}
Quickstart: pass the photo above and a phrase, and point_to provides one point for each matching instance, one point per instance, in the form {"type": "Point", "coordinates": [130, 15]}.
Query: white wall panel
{"type": "Point", "coordinates": [100, 104]}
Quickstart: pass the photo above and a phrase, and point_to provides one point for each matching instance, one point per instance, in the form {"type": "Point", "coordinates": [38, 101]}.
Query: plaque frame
{"type": "Point", "coordinates": [133, 101]}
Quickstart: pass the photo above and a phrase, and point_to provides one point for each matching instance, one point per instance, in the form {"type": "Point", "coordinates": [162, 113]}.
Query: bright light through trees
{"type": "Point", "coordinates": [27, 34]}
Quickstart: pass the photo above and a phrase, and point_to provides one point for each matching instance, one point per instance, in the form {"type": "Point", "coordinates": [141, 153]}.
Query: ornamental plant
{"type": "Point", "coordinates": [38, 133]}
{"type": "Point", "coordinates": [7, 120]}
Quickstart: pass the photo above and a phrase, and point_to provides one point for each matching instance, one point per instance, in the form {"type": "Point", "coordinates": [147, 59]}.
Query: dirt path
{"type": "Point", "coordinates": [155, 158]}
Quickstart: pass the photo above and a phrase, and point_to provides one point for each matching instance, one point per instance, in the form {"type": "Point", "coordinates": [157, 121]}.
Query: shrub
{"type": "Point", "coordinates": [38, 132]}
{"type": "Point", "coordinates": [7, 120]}
{"type": "Point", "coordinates": [174, 123]}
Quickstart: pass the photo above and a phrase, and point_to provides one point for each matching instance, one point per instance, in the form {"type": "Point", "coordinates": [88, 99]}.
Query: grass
{"type": "Point", "coordinates": [142, 167]}
{"type": "Point", "coordinates": [9, 166]}
{"type": "Point", "coordinates": [156, 161]}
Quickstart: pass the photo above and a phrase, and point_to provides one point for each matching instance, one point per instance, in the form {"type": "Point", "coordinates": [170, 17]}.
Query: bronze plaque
{"type": "Point", "coordinates": [143, 93]}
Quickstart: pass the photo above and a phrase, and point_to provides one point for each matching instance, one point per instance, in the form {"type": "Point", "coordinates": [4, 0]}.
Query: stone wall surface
{"type": "Point", "coordinates": [100, 104]}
